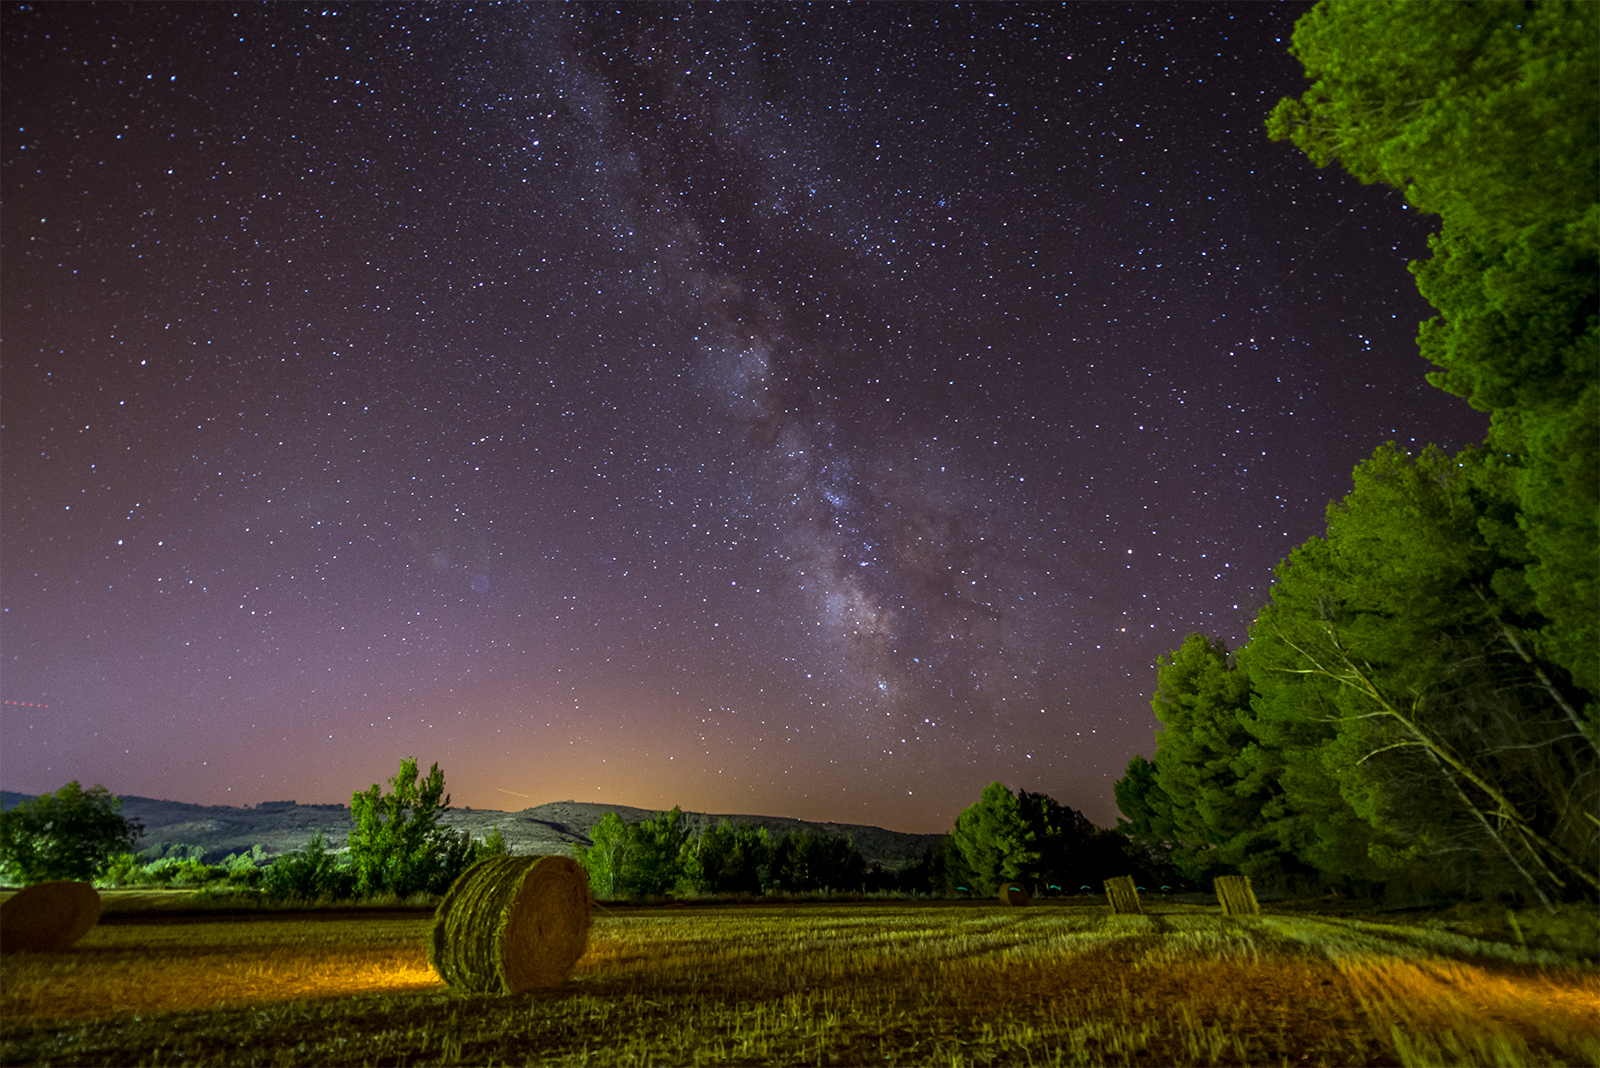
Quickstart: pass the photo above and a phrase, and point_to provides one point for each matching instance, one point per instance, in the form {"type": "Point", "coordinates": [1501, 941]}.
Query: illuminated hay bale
{"type": "Point", "coordinates": [511, 924]}
{"type": "Point", "coordinates": [1124, 896]}
{"type": "Point", "coordinates": [1014, 894]}
{"type": "Point", "coordinates": [1236, 895]}
{"type": "Point", "coordinates": [48, 917]}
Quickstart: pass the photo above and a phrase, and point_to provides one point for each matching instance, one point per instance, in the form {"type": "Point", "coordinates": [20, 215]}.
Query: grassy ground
{"type": "Point", "coordinates": [892, 983]}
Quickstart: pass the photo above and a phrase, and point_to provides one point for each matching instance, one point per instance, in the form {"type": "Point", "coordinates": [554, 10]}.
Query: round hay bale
{"type": "Point", "coordinates": [48, 917]}
{"type": "Point", "coordinates": [1014, 894]}
{"type": "Point", "coordinates": [511, 924]}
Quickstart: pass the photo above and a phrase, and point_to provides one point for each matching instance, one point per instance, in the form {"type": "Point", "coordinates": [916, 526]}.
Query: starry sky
{"type": "Point", "coordinates": [818, 412]}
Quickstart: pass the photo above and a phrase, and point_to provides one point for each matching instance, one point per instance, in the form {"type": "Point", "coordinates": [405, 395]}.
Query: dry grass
{"type": "Point", "coordinates": [835, 984]}
{"type": "Point", "coordinates": [144, 968]}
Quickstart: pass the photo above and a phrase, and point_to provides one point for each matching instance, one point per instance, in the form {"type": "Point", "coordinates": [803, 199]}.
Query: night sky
{"type": "Point", "coordinates": [818, 412]}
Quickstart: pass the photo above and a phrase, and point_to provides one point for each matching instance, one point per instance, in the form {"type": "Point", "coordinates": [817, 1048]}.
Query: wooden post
{"type": "Point", "coordinates": [1124, 896]}
{"type": "Point", "coordinates": [1236, 896]}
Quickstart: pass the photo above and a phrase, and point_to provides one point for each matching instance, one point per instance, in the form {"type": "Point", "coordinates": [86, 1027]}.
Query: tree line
{"type": "Point", "coordinates": [1416, 707]}
{"type": "Point", "coordinates": [1002, 837]}
{"type": "Point", "coordinates": [397, 846]}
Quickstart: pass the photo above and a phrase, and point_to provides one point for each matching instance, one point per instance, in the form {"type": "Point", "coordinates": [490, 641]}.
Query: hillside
{"type": "Point", "coordinates": [284, 826]}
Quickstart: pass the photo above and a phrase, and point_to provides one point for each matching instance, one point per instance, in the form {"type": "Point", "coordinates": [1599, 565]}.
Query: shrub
{"type": "Point", "coordinates": [245, 869]}
{"type": "Point", "coordinates": [124, 869]}
{"type": "Point", "coordinates": [309, 873]}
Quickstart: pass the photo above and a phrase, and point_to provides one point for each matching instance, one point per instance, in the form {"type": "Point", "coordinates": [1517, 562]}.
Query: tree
{"type": "Point", "coordinates": [929, 873]}
{"type": "Point", "coordinates": [1483, 114]}
{"type": "Point", "coordinates": [1073, 852]}
{"type": "Point", "coordinates": [995, 840]}
{"type": "Point", "coordinates": [70, 834]}
{"type": "Point", "coordinates": [728, 859]}
{"type": "Point", "coordinates": [1220, 785]}
{"type": "Point", "coordinates": [1146, 810]}
{"type": "Point", "coordinates": [492, 846]}
{"type": "Point", "coordinates": [397, 843]}
{"type": "Point", "coordinates": [1395, 662]}
{"type": "Point", "coordinates": [807, 862]}
{"type": "Point", "coordinates": [644, 859]}
{"type": "Point", "coordinates": [654, 863]}
{"type": "Point", "coordinates": [1404, 633]}
{"type": "Point", "coordinates": [605, 856]}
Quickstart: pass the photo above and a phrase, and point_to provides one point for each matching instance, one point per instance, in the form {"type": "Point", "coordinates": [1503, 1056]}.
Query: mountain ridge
{"type": "Point", "coordinates": [554, 827]}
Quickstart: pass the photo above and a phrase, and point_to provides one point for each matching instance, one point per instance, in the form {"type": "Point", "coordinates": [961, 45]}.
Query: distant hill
{"type": "Point", "coordinates": [284, 826]}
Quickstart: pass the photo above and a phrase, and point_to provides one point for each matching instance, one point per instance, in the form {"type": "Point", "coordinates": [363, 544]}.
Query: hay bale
{"type": "Point", "coordinates": [511, 924]}
{"type": "Point", "coordinates": [1124, 896]}
{"type": "Point", "coordinates": [1236, 895]}
{"type": "Point", "coordinates": [48, 917]}
{"type": "Point", "coordinates": [1014, 894]}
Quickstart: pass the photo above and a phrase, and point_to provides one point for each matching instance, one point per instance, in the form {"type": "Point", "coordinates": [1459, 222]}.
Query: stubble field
{"type": "Point", "coordinates": [823, 983]}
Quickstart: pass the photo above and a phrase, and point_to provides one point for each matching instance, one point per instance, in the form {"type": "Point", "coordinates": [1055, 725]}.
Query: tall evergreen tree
{"type": "Point", "coordinates": [1395, 671]}
{"type": "Point", "coordinates": [995, 840]}
{"type": "Point", "coordinates": [1219, 785]}
{"type": "Point", "coordinates": [1485, 115]}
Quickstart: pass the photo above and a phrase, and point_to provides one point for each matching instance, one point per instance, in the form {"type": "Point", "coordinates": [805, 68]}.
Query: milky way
{"type": "Point", "coordinates": [816, 412]}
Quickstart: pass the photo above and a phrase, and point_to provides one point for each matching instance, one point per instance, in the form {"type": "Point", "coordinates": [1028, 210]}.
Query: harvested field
{"type": "Point", "coordinates": [890, 983]}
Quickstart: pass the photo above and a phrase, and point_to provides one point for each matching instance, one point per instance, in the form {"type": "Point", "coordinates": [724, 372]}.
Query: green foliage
{"type": "Point", "coordinates": [308, 873]}
{"type": "Point", "coordinates": [807, 862]}
{"type": "Point", "coordinates": [245, 869]}
{"type": "Point", "coordinates": [1028, 837]}
{"type": "Point", "coordinates": [995, 840]}
{"type": "Point", "coordinates": [1212, 794]}
{"type": "Point", "coordinates": [183, 874]}
{"type": "Point", "coordinates": [183, 866]}
{"type": "Point", "coordinates": [1484, 114]}
{"type": "Point", "coordinates": [1425, 680]}
{"type": "Point", "coordinates": [492, 846]}
{"type": "Point", "coordinates": [397, 844]}
{"type": "Point", "coordinates": [645, 859]}
{"type": "Point", "coordinates": [124, 869]}
{"type": "Point", "coordinates": [655, 859]}
{"type": "Point", "coordinates": [1391, 717]}
{"type": "Point", "coordinates": [1418, 727]}
{"type": "Point", "coordinates": [932, 873]}
{"type": "Point", "coordinates": [70, 834]}
{"type": "Point", "coordinates": [1146, 810]}
{"type": "Point", "coordinates": [656, 856]}
{"type": "Point", "coordinates": [1073, 852]}
{"type": "Point", "coordinates": [729, 859]}
{"type": "Point", "coordinates": [604, 856]}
